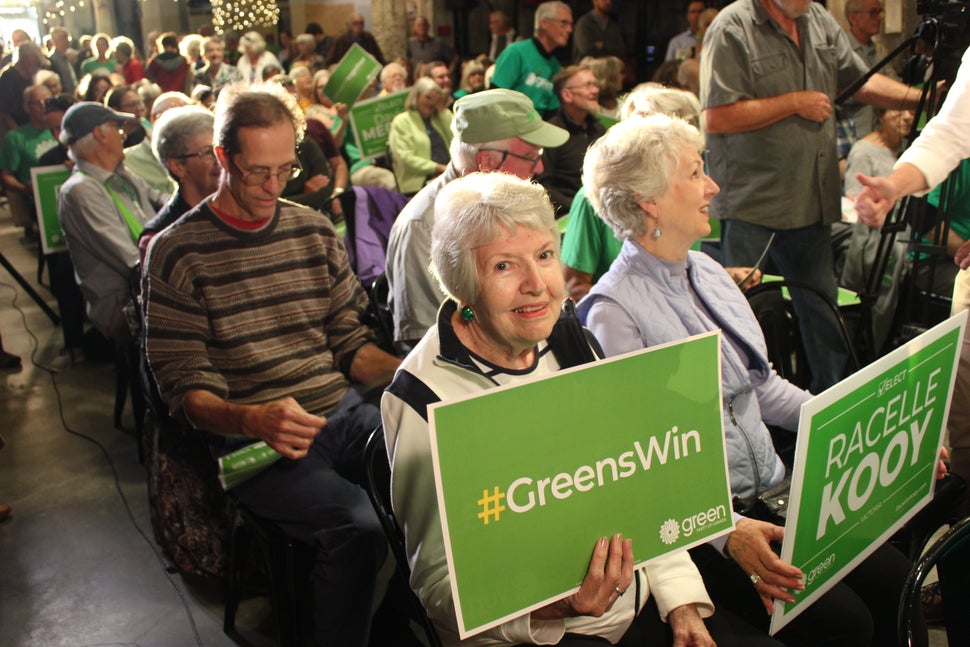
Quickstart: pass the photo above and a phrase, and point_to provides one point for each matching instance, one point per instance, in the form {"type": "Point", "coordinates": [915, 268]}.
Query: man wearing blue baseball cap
{"type": "Point", "coordinates": [495, 130]}
{"type": "Point", "coordinates": [102, 210]}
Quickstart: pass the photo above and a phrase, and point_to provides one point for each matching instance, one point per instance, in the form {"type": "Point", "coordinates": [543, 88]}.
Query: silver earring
{"type": "Point", "coordinates": [656, 233]}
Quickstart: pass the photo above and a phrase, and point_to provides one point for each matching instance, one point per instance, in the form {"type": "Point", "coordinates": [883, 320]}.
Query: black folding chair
{"type": "Point", "coordinates": [377, 477]}
{"type": "Point", "coordinates": [951, 555]}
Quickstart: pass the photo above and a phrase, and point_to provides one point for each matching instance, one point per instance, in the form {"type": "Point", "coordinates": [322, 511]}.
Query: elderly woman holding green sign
{"type": "Point", "coordinates": [495, 250]}
{"type": "Point", "coordinates": [646, 180]}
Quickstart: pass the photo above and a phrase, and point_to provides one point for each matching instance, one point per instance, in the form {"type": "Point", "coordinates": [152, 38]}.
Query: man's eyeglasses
{"type": "Point", "coordinates": [873, 12]}
{"type": "Point", "coordinates": [534, 161]}
{"type": "Point", "coordinates": [262, 176]}
{"type": "Point", "coordinates": [206, 153]}
{"type": "Point", "coordinates": [565, 22]}
{"type": "Point", "coordinates": [589, 85]}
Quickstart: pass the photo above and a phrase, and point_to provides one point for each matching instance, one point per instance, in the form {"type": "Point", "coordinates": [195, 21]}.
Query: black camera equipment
{"type": "Point", "coordinates": [944, 31]}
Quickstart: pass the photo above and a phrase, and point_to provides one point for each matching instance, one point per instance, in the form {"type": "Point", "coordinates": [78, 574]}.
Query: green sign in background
{"type": "Point", "coordinates": [858, 474]}
{"type": "Point", "coordinates": [371, 121]}
{"type": "Point", "coordinates": [47, 181]}
{"type": "Point", "coordinates": [352, 75]}
{"type": "Point", "coordinates": [520, 561]}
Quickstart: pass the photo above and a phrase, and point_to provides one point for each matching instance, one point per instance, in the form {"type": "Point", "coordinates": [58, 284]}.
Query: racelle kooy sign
{"type": "Point", "coordinates": [866, 460]}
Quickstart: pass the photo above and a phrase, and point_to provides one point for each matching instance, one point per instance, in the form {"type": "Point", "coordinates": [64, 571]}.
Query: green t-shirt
{"type": "Point", "coordinates": [589, 244]}
{"type": "Point", "coordinates": [521, 67]}
{"type": "Point", "coordinates": [22, 148]}
{"type": "Point", "coordinates": [94, 66]}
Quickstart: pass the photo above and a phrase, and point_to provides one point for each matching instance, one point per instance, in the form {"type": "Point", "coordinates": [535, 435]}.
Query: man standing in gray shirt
{"type": "Point", "coordinates": [768, 78]}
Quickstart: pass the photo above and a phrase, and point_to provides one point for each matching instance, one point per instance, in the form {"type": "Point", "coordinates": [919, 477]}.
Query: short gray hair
{"type": "Point", "coordinates": [84, 147]}
{"type": "Point", "coordinates": [300, 70]}
{"type": "Point", "coordinates": [471, 212]}
{"type": "Point", "coordinates": [652, 99]}
{"type": "Point", "coordinates": [547, 11]}
{"type": "Point", "coordinates": [421, 87]}
{"type": "Point", "coordinates": [632, 163]}
{"type": "Point", "coordinates": [176, 127]}
{"type": "Point", "coordinates": [464, 156]}
{"type": "Point", "coordinates": [390, 68]}
{"type": "Point", "coordinates": [852, 6]}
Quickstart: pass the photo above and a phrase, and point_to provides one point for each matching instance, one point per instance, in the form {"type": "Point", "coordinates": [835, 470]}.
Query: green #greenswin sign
{"type": "Point", "coordinates": [47, 181]}
{"type": "Point", "coordinates": [865, 461]}
{"type": "Point", "coordinates": [371, 122]}
{"type": "Point", "coordinates": [530, 476]}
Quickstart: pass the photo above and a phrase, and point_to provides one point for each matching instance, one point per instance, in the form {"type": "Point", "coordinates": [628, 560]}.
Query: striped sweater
{"type": "Point", "coordinates": [252, 316]}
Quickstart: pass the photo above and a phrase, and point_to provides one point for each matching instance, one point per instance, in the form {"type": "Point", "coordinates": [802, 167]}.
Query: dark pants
{"type": "Point", "coordinates": [70, 301]}
{"type": "Point", "coordinates": [860, 610]}
{"type": "Point", "coordinates": [317, 500]}
{"type": "Point", "coordinates": [803, 255]}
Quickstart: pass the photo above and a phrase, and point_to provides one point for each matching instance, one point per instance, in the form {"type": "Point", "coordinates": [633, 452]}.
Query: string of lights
{"type": "Point", "coordinates": [236, 15]}
{"type": "Point", "coordinates": [243, 15]}
{"type": "Point", "coordinates": [61, 10]}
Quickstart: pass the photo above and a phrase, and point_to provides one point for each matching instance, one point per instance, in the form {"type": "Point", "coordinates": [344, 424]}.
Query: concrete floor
{"type": "Point", "coordinates": [78, 561]}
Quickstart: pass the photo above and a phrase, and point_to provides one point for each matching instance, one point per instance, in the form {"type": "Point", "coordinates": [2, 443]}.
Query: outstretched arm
{"type": "Point", "coordinates": [879, 194]}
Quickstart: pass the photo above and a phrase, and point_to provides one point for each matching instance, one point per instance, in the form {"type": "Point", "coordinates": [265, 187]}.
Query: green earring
{"type": "Point", "coordinates": [467, 313]}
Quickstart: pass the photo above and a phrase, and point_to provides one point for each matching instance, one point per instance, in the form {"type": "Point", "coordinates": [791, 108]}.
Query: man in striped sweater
{"type": "Point", "coordinates": [254, 333]}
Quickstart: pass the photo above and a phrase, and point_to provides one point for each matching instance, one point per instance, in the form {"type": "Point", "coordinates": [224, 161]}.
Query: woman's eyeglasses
{"type": "Point", "coordinates": [206, 153]}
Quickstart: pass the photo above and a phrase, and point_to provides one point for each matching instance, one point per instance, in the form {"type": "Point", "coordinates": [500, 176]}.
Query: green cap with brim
{"type": "Point", "coordinates": [492, 115]}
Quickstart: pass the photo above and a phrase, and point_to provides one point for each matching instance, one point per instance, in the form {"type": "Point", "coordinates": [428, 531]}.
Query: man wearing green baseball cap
{"type": "Point", "coordinates": [495, 130]}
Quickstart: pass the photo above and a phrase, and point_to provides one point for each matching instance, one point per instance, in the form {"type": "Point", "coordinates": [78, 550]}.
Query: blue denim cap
{"type": "Point", "coordinates": [83, 117]}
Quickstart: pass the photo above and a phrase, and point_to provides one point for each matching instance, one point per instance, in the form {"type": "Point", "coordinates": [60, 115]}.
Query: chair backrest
{"type": "Point", "coordinates": [377, 480]}
{"type": "Point", "coordinates": [951, 553]}
{"type": "Point", "coordinates": [380, 300]}
{"type": "Point", "coordinates": [777, 319]}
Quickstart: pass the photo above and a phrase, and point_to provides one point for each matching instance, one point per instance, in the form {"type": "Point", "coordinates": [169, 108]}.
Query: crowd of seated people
{"type": "Point", "coordinates": [146, 122]}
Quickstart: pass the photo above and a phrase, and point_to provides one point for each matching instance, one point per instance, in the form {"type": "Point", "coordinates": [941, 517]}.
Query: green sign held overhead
{"type": "Point", "coordinates": [47, 181]}
{"type": "Point", "coordinates": [371, 122]}
{"type": "Point", "coordinates": [866, 460]}
{"type": "Point", "coordinates": [353, 74]}
{"type": "Point", "coordinates": [530, 476]}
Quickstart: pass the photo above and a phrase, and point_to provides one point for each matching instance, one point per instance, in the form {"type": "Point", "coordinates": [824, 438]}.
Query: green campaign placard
{"type": "Point", "coordinates": [371, 122]}
{"type": "Point", "coordinates": [47, 181]}
{"type": "Point", "coordinates": [352, 75]}
{"type": "Point", "coordinates": [866, 458]}
{"type": "Point", "coordinates": [530, 476]}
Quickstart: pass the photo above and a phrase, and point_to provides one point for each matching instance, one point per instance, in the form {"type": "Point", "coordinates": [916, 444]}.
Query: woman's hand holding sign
{"type": "Point", "coordinates": [750, 546]}
{"type": "Point", "coordinates": [609, 575]}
